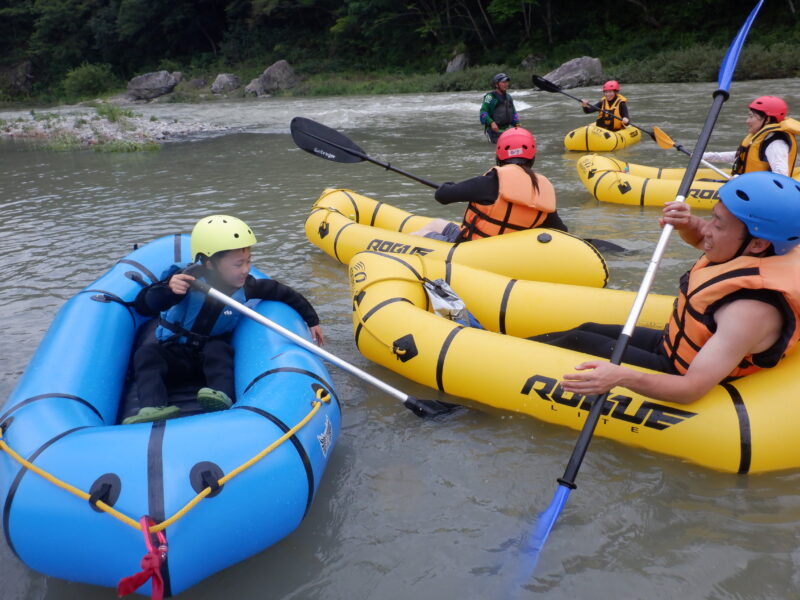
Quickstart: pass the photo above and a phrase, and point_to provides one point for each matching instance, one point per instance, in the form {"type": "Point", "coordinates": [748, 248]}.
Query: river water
{"type": "Point", "coordinates": [409, 508]}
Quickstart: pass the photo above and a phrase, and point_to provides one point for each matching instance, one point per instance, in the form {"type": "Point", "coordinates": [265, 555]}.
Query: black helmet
{"type": "Point", "coordinates": [500, 77]}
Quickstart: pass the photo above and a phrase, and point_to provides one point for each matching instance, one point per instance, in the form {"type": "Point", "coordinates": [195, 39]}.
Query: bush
{"type": "Point", "coordinates": [126, 146]}
{"type": "Point", "coordinates": [89, 81]}
{"type": "Point", "coordinates": [701, 62]}
{"type": "Point", "coordinates": [63, 141]}
{"type": "Point", "coordinates": [348, 83]}
{"type": "Point", "coordinates": [694, 63]}
{"type": "Point", "coordinates": [112, 112]}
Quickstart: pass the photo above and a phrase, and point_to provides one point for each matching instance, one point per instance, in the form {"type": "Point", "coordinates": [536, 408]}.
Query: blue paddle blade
{"type": "Point", "coordinates": [544, 525]}
{"type": "Point", "coordinates": [732, 55]}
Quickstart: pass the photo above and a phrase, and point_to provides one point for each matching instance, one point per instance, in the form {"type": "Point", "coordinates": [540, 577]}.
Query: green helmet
{"type": "Point", "coordinates": [218, 233]}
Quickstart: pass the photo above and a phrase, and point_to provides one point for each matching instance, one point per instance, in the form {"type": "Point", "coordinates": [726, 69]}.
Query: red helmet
{"type": "Point", "coordinates": [516, 143]}
{"type": "Point", "coordinates": [613, 85]}
{"type": "Point", "coordinates": [772, 106]}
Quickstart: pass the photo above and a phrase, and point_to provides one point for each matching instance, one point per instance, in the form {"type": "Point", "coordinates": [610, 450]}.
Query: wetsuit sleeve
{"type": "Point", "coordinates": [270, 289]}
{"type": "Point", "coordinates": [623, 110]}
{"type": "Point", "coordinates": [592, 108]}
{"type": "Point", "coordinates": [482, 190]}
{"type": "Point", "coordinates": [486, 109]}
{"type": "Point", "coordinates": [156, 298]}
{"type": "Point", "coordinates": [515, 116]}
{"type": "Point", "coordinates": [553, 221]}
{"type": "Point", "coordinates": [777, 155]}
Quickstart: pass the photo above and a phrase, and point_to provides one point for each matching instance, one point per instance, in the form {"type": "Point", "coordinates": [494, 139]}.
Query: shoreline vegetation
{"type": "Point", "coordinates": [694, 63]}
{"type": "Point", "coordinates": [114, 128]}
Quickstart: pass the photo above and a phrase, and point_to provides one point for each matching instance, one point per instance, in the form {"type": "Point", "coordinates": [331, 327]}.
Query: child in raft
{"type": "Point", "coordinates": [194, 331]}
{"type": "Point", "coordinates": [770, 143]}
{"type": "Point", "coordinates": [613, 103]}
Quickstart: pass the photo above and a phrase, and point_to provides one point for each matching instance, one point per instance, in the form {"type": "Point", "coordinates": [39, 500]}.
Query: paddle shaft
{"type": "Point", "coordinates": [300, 341]}
{"type": "Point", "coordinates": [566, 483]}
{"type": "Point", "coordinates": [581, 446]}
{"type": "Point", "coordinates": [385, 165]}
{"type": "Point", "coordinates": [720, 96]}
{"type": "Point", "coordinates": [680, 148]}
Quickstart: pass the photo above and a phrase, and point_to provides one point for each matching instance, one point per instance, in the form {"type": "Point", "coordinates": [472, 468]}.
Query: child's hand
{"type": "Point", "coordinates": [180, 283]}
{"type": "Point", "coordinates": [316, 335]}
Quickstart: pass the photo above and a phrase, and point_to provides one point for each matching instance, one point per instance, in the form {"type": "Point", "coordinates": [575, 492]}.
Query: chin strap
{"type": "Point", "coordinates": [747, 239]}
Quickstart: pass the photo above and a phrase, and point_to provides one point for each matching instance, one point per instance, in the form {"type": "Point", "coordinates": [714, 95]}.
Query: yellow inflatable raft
{"type": "Point", "coordinates": [620, 182]}
{"type": "Point", "coordinates": [611, 180]}
{"type": "Point", "coordinates": [747, 426]}
{"type": "Point", "coordinates": [343, 223]}
{"type": "Point", "coordinates": [591, 138]}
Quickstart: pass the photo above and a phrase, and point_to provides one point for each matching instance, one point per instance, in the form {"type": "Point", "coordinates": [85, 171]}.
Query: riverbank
{"type": "Point", "coordinates": [104, 126]}
{"type": "Point", "coordinates": [99, 126]}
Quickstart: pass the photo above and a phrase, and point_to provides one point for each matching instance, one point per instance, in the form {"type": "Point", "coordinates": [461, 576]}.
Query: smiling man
{"type": "Point", "coordinates": [737, 309]}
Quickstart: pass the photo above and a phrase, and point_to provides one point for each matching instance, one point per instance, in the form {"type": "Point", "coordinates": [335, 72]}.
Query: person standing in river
{"type": "Point", "coordinates": [497, 111]}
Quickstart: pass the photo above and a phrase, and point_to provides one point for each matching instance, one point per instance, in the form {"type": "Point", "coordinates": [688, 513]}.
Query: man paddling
{"type": "Point", "coordinates": [737, 309]}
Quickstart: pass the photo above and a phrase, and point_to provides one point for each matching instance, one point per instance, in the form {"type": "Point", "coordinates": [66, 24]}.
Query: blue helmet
{"type": "Point", "coordinates": [768, 204]}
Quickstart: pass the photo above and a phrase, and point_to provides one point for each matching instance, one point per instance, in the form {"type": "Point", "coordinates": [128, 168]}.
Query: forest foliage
{"type": "Point", "coordinates": [129, 37]}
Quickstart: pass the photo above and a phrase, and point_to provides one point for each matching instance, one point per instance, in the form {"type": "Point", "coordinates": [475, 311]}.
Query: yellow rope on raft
{"type": "Point", "coordinates": [66, 486]}
{"type": "Point", "coordinates": [321, 396]}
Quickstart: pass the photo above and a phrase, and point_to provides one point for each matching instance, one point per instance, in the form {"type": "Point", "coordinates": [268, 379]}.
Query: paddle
{"type": "Point", "coordinates": [666, 142]}
{"type": "Point", "coordinates": [419, 406]}
{"type": "Point", "coordinates": [566, 483]}
{"type": "Point", "coordinates": [329, 144]}
{"type": "Point", "coordinates": [657, 134]}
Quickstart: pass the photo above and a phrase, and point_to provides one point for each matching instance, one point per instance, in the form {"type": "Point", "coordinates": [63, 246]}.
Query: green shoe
{"type": "Point", "coordinates": [213, 400]}
{"type": "Point", "coordinates": [148, 414]}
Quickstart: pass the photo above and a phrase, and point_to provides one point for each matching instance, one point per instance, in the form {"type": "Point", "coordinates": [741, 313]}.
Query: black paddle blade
{"type": "Point", "coordinates": [606, 246]}
{"type": "Point", "coordinates": [324, 142]}
{"type": "Point", "coordinates": [543, 84]}
{"type": "Point", "coordinates": [428, 408]}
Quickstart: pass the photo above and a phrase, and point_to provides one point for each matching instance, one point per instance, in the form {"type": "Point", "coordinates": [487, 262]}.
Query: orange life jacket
{"type": "Point", "coordinates": [519, 205]}
{"type": "Point", "coordinates": [605, 120]}
{"type": "Point", "coordinates": [749, 155]}
{"type": "Point", "coordinates": [707, 287]}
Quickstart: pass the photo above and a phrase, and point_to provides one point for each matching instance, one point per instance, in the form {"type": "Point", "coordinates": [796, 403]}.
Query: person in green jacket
{"type": "Point", "coordinates": [497, 111]}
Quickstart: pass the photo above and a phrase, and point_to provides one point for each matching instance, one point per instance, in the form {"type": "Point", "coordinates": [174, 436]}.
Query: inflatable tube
{"type": "Point", "coordinates": [591, 138]}
{"type": "Point", "coordinates": [343, 223]}
{"type": "Point", "coordinates": [609, 181]}
{"type": "Point", "coordinates": [748, 425]}
{"type": "Point", "coordinates": [620, 182]}
{"type": "Point", "coordinates": [62, 417]}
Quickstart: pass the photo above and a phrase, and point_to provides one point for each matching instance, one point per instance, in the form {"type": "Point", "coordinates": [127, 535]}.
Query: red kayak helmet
{"type": "Point", "coordinates": [772, 106]}
{"type": "Point", "coordinates": [516, 143]}
{"type": "Point", "coordinates": [612, 85]}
